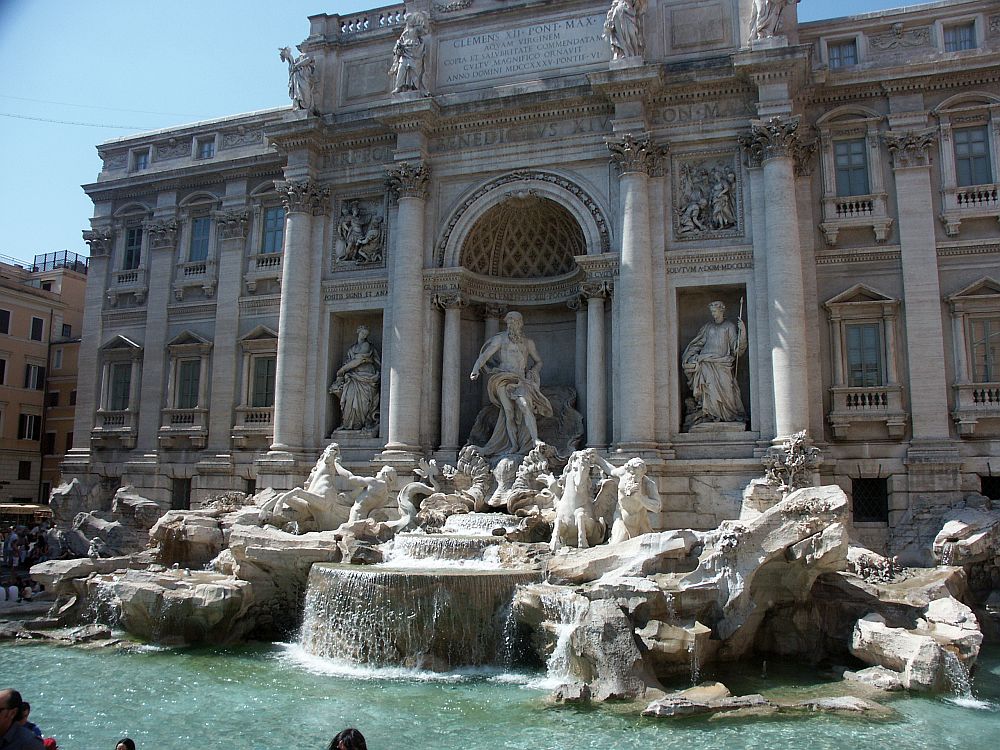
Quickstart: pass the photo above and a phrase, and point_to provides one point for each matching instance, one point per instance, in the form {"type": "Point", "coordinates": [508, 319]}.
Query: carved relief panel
{"type": "Point", "coordinates": [359, 238]}
{"type": "Point", "coordinates": [707, 196]}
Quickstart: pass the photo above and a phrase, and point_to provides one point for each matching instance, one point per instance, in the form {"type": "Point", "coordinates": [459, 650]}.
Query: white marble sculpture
{"type": "Point", "coordinates": [374, 496]}
{"type": "Point", "coordinates": [638, 496]}
{"type": "Point", "coordinates": [709, 364]}
{"type": "Point", "coordinates": [356, 385]}
{"type": "Point", "coordinates": [765, 18]}
{"type": "Point", "coordinates": [407, 71]}
{"type": "Point", "coordinates": [582, 514]}
{"type": "Point", "coordinates": [514, 386]}
{"type": "Point", "coordinates": [707, 198]}
{"type": "Point", "coordinates": [301, 80]}
{"type": "Point", "coordinates": [623, 28]}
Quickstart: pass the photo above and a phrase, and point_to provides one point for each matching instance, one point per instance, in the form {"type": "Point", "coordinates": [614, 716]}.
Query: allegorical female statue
{"type": "Point", "coordinates": [623, 28]}
{"type": "Point", "coordinates": [356, 384]}
{"type": "Point", "coordinates": [301, 80]}
{"type": "Point", "coordinates": [709, 363]}
{"type": "Point", "coordinates": [407, 71]}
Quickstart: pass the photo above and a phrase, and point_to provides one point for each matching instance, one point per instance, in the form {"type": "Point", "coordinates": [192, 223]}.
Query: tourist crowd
{"type": "Point", "coordinates": [22, 547]}
{"type": "Point", "coordinates": [17, 732]}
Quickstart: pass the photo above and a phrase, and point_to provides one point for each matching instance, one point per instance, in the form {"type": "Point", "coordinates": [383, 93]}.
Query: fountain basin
{"type": "Point", "coordinates": [432, 619]}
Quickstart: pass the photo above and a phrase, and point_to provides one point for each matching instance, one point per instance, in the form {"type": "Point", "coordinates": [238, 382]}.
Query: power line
{"type": "Point", "coordinates": [83, 124]}
{"type": "Point", "coordinates": [91, 106]}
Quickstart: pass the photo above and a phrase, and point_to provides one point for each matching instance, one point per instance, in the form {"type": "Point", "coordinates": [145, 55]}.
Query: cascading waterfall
{"type": "Point", "coordinates": [568, 613]}
{"type": "Point", "coordinates": [420, 550]}
{"type": "Point", "coordinates": [103, 604]}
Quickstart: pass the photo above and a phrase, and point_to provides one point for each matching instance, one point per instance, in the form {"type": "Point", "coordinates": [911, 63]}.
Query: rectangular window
{"type": "Point", "coordinates": [870, 500]}
{"type": "Point", "coordinates": [140, 161]}
{"type": "Point", "coordinates": [200, 231]}
{"type": "Point", "coordinates": [985, 350]}
{"type": "Point", "coordinates": [69, 441]}
{"type": "Point", "coordinates": [133, 248]}
{"type": "Point", "coordinates": [121, 384]}
{"type": "Point", "coordinates": [52, 399]}
{"type": "Point", "coordinates": [188, 375]}
{"type": "Point", "coordinates": [57, 356]}
{"type": "Point", "coordinates": [72, 398]}
{"type": "Point", "coordinates": [262, 387]}
{"type": "Point", "coordinates": [34, 377]}
{"type": "Point", "coordinates": [972, 156]}
{"type": "Point", "coordinates": [960, 37]}
{"type": "Point", "coordinates": [37, 329]}
{"type": "Point", "coordinates": [864, 355]}
{"type": "Point", "coordinates": [67, 331]}
{"type": "Point", "coordinates": [4, 321]}
{"type": "Point", "coordinates": [843, 54]}
{"type": "Point", "coordinates": [180, 494]}
{"type": "Point", "coordinates": [24, 470]}
{"type": "Point", "coordinates": [49, 444]}
{"type": "Point", "coordinates": [206, 148]}
{"type": "Point", "coordinates": [3, 371]}
{"type": "Point", "coordinates": [851, 158]}
{"type": "Point", "coordinates": [29, 427]}
{"type": "Point", "coordinates": [274, 230]}
{"type": "Point", "coordinates": [990, 486]}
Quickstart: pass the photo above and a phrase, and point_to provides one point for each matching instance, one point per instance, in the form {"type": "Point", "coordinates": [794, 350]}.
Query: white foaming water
{"type": "Point", "coordinates": [568, 611]}
{"type": "Point", "coordinates": [961, 685]}
{"type": "Point", "coordinates": [426, 551]}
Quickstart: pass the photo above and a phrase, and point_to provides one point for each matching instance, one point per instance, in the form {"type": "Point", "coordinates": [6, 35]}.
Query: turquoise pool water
{"type": "Point", "coordinates": [274, 696]}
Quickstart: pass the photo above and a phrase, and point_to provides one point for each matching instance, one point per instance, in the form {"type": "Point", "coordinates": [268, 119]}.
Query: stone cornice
{"type": "Point", "coordinates": [366, 288]}
{"type": "Point", "coordinates": [413, 115]}
{"type": "Point", "coordinates": [618, 84]}
{"type": "Point", "coordinates": [715, 261]}
{"type": "Point", "coordinates": [295, 135]}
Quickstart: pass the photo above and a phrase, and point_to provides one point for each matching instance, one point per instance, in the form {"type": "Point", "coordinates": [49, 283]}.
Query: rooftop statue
{"type": "Point", "coordinates": [407, 71]}
{"type": "Point", "coordinates": [623, 28]}
{"type": "Point", "coordinates": [514, 387]}
{"type": "Point", "coordinates": [709, 364]}
{"type": "Point", "coordinates": [301, 80]}
{"type": "Point", "coordinates": [765, 18]}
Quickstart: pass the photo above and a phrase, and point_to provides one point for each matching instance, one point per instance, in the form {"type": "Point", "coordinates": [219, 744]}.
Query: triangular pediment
{"type": "Point", "coordinates": [187, 338]}
{"type": "Point", "coordinates": [259, 333]}
{"type": "Point", "coordinates": [859, 294]}
{"type": "Point", "coordinates": [985, 287]}
{"type": "Point", "coordinates": [121, 343]}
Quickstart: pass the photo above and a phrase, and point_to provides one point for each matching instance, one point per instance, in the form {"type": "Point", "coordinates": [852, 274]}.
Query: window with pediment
{"type": "Point", "coordinates": [186, 414]}
{"type": "Point", "coordinates": [866, 397]}
{"type": "Point", "coordinates": [854, 196]}
{"type": "Point", "coordinates": [117, 414]}
{"type": "Point", "coordinates": [970, 159]}
{"type": "Point", "coordinates": [975, 314]}
{"type": "Point", "coordinates": [255, 413]}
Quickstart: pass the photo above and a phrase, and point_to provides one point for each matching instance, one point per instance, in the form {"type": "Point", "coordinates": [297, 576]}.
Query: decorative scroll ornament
{"type": "Point", "coordinates": [162, 234]}
{"type": "Point", "coordinates": [232, 224]}
{"type": "Point", "coordinates": [596, 289]}
{"type": "Point", "coordinates": [99, 241]}
{"type": "Point", "coordinates": [635, 153]}
{"type": "Point", "coordinates": [303, 196]}
{"type": "Point", "coordinates": [408, 180]}
{"type": "Point", "coordinates": [445, 300]}
{"type": "Point", "coordinates": [897, 38]}
{"type": "Point", "coordinates": [910, 148]}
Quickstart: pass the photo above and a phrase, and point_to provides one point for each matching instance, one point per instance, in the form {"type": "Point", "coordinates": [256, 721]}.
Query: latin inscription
{"type": "Point", "coordinates": [533, 49]}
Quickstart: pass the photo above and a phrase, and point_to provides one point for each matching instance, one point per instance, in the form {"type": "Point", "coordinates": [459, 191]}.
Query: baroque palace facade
{"type": "Point", "coordinates": [264, 284]}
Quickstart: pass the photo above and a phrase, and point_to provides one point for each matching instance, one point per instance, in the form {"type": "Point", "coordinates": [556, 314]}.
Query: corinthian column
{"type": "Point", "coordinates": [597, 397]}
{"type": "Point", "coordinates": [776, 145]}
{"type": "Point", "coordinates": [406, 282]}
{"type": "Point", "coordinates": [634, 397]}
{"type": "Point", "coordinates": [451, 369]}
{"type": "Point", "coordinates": [303, 199]}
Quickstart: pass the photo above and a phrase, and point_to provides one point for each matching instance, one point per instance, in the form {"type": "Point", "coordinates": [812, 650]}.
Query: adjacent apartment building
{"type": "Point", "coordinates": [41, 317]}
{"type": "Point", "coordinates": [606, 174]}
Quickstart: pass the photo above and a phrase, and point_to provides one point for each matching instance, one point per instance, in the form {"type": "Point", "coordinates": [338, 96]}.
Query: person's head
{"type": "Point", "coordinates": [22, 715]}
{"type": "Point", "coordinates": [125, 743]}
{"type": "Point", "coordinates": [348, 739]}
{"type": "Point", "coordinates": [49, 743]}
{"type": "Point", "coordinates": [10, 708]}
{"type": "Point", "coordinates": [362, 332]}
{"type": "Point", "coordinates": [636, 466]}
{"type": "Point", "coordinates": [718, 310]}
{"type": "Point", "coordinates": [514, 322]}
{"type": "Point", "coordinates": [331, 453]}
{"type": "Point", "coordinates": [388, 475]}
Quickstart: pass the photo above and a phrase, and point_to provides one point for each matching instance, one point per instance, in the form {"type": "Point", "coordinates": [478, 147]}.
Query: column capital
{"type": "Point", "coordinates": [303, 196]}
{"type": "Point", "coordinates": [636, 153]}
{"type": "Point", "coordinates": [492, 310]}
{"type": "Point", "coordinates": [776, 138]}
{"type": "Point", "coordinates": [596, 289]}
{"type": "Point", "coordinates": [446, 300]}
{"type": "Point", "coordinates": [910, 148]}
{"type": "Point", "coordinates": [162, 234]}
{"type": "Point", "coordinates": [99, 241]}
{"type": "Point", "coordinates": [232, 224]}
{"type": "Point", "coordinates": [408, 180]}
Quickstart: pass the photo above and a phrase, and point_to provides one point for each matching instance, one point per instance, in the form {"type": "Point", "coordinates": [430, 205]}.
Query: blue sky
{"type": "Point", "coordinates": [67, 66]}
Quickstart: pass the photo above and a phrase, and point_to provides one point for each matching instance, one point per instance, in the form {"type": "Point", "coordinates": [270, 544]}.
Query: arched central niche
{"type": "Point", "coordinates": [524, 237]}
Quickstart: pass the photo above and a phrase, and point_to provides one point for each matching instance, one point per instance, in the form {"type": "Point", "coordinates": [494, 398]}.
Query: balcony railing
{"type": "Point", "coordinates": [373, 20]}
{"type": "Point", "coordinates": [969, 202]}
{"type": "Point", "coordinates": [855, 211]}
{"type": "Point", "coordinates": [191, 424]}
{"type": "Point", "coordinates": [851, 406]}
{"type": "Point", "coordinates": [974, 402]}
{"type": "Point", "coordinates": [115, 424]}
{"type": "Point", "coordinates": [253, 422]}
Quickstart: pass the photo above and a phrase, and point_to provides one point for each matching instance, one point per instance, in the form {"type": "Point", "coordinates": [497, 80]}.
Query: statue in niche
{"type": "Point", "coordinates": [407, 71]}
{"type": "Point", "coordinates": [709, 363]}
{"type": "Point", "coordinates": [515, 387]}
{"type": "Point", "coordinates": [360, 236]}
{"type": "Point", "coordinates": [301, 80]}
{"type": "Point", "coordinates": [638, 496]}
{"type": "Point", "coordinates": [707, 199]}
{"type": "Point", "coordinates": [765, 18]}
{"type": "Point", "coordinates": [356, 385]}
{"type": "Point", "coordinates": [623, 28]}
